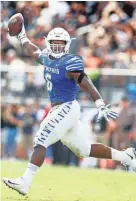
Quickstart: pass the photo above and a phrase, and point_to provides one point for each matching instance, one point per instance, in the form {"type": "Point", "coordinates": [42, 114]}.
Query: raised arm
{"type": "Point", "coordinates": [30, 48]}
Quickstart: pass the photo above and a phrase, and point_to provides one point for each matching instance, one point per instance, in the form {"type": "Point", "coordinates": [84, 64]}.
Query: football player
{"type": "Point", "coordinates": [64, 75]}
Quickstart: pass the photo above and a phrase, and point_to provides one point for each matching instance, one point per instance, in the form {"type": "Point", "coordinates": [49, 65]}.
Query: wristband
{"type": "Point", "coordinates": [99, 103]}
{"type": "Point", "coordinates": [24, 40]}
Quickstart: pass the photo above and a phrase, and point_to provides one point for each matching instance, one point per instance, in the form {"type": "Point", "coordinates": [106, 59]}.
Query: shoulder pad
{"type": "Point", "coordinates": [74, 58]}
{"type": "Point", "coordinates": [74, 63]}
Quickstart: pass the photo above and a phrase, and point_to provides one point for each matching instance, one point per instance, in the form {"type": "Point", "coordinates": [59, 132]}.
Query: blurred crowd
{"type": "Point", "coordinates": [21, 122]}
{"type": "Point", "coordinates": [105, 31]}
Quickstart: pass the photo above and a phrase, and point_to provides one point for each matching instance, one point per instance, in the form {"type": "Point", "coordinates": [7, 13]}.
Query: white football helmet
{"type": "Point", "coordinates": [58, 50]}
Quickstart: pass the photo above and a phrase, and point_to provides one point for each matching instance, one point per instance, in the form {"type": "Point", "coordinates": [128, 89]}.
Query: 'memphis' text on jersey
{"type": "Point", "coordinates": [52, 70]}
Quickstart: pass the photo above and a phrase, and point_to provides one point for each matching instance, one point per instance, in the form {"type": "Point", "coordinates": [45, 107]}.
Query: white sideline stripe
{"type": "Point", "coordinates": [113, 72]}
{"type": "Point", "coordinates": [103, 71]}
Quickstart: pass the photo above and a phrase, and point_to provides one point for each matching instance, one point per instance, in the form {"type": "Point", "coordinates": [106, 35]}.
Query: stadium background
{"type": "Point", "coordinates": [106, 38]}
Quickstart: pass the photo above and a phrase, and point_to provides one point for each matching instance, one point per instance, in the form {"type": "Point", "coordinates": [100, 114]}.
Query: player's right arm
{"type": "Point", "coordinates": [31, 49]}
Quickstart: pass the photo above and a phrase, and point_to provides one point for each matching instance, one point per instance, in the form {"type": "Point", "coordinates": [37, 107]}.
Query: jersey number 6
{"type": "Point", "coordinates": [48, 81]}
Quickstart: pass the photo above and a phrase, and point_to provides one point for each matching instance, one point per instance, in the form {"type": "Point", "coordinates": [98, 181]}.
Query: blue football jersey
{"type": "Point", "coordinates": [60, 87]}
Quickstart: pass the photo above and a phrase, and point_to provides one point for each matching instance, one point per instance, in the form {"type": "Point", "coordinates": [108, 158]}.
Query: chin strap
{"type": "Point", "coordinates": [73, 39]}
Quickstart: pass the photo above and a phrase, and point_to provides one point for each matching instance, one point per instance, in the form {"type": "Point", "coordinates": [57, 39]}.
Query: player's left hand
{"type": "Point", "coordinates": [104, 111]}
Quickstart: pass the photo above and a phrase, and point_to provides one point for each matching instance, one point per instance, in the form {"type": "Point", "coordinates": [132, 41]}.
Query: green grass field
{"type": "Point", "coordinates": [59, 183]}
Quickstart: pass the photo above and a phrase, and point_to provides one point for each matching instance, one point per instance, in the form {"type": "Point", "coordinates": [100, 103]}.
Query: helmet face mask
{"type": "Point", "coordinates": [58, 48]}
{"type": "Point", "coordinates": [58, 42]}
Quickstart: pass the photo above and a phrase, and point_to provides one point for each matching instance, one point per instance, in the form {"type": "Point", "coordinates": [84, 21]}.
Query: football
{"type": "Point", "coordinates": [15, 24]}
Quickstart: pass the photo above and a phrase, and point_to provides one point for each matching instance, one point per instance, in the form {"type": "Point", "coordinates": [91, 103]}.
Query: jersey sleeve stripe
{"type": "Point", "coordinates": [76, 68]}
{"type": "Point", "coordinates": [77, 64]}
{"type": "Point", "coordinates": [79, 69]}
{"type": "Point", "coordinates": [74, 60]}
{"type": "Point", "coordinates": [78, 60]}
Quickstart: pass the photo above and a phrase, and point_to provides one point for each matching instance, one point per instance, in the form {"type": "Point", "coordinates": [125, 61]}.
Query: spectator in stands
{"type": "Point", "coordinates": [38, 112]}
{"type": "Point", "coordinates": [16, 73]}
{"type": "Point", "coordinates": [133, 135]}
{"type": "Point", "coordinates": [125, 124]}
{"type": "Point", "coordinates": [3, 129]}
{"type": "Point", "coordinates": [110, 135]}
{"type": "Point", "coordinates": [12, 123]}
{"type": "Point", "coordinates": [17, 65]}
{"type": "Point", "coordinates": [99, 129]}
{"type": "Point", "coordinates": [133, 130]}
{"type": "Point", "coordinates": [28, 121]}
{"type": "Point", "coordinates": [30, 89]}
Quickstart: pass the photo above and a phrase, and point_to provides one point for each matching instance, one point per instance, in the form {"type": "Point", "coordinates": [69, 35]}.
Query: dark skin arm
{"type": "Point", "coordinates": [32, 50]}
{"type": "Point", "coordinates": [87, 85]}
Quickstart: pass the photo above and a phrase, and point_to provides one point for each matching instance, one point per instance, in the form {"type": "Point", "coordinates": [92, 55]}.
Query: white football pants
{"type": "Point", "coordinates": [62, 123]}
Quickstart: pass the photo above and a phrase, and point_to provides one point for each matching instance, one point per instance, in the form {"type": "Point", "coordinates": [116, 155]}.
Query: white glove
{"type": "Point", "coordinates": [104, 111]}
{"type": "Point", "coordinates": [22, 37]}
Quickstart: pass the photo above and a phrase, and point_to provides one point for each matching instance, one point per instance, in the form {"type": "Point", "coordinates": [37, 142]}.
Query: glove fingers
{"type": "Point", "coordinates": [99, 116]}
{"type": "Point", "coordinates": [106, 113]}
{"type": "Point", "coordinates": [107, 106]}
{"type": "Point", "coordinates": [106, 117]}
{"type": "Point", "coordinates": [114, 115]}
